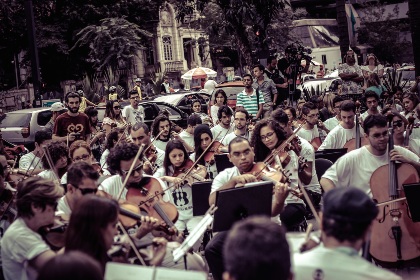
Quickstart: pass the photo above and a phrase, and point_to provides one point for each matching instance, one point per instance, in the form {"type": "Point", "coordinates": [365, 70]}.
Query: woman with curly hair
{"type": "Point", "coordinates": [113, 116]}
{"type": "Point", "coordinates": [59, 156]}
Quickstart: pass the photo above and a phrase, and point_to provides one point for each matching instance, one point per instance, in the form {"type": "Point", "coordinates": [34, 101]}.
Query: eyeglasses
{"type": "Point", "coordinates": [87, 190]}
{"type": "Point", "coordinates": [397, 124]}
{"type": "Point", "coordinates": [83, 157]}
{"type": "Point", "coordinates": [267, 136]}
{"type": "Point", "coordinates": [117, 107]}
{"type": "Point", "coordinates": [380, 135]}
{"type": "Point", "coordinates": [138, 168]}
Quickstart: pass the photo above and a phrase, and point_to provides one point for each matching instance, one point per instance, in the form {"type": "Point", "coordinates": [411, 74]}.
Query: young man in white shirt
{"type": "Point", "coordinates": [345, 131]}
{"type": "Point", "coordinates": [224, 127]}
{"type": "Point", "coordinates": [372, 102]}
{"type": "Point", "coordinates": [309, 131]}
{"type": "Point", "coordinates": [333, 122]}
{"type": "Point", "coordinates": [188, 134]}
{"type": "Point", "coordinates": [134, 112]}
{"type": "Point", "coordinates": [23, 251]}
{"type": "Point", "coordinates": [338, 255]}
{"type": "Point", "coordinates": [31, 163]}
{"type": "Point", "coordinates": [241, 121]}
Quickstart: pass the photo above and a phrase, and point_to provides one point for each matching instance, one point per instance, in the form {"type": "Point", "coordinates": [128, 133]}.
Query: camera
{"type": "Point", "coordinates": [296, 52]}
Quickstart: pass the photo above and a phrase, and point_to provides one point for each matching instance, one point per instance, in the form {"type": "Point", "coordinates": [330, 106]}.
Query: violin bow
{"type": "Point", "coordinates": [130, 241]}
{"type": "Point", "coordinates": [50, 162]}
{"type": "Point", "coordinates": [141, 149]}
{"type": "Point", "coordinates": [309, 201]}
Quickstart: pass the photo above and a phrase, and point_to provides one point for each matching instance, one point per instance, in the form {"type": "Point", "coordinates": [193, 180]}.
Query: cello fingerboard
{"type": "Point", "coordinates": [163, 215]}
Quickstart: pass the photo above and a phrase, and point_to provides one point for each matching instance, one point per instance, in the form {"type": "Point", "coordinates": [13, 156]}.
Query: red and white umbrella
{"type": "Point", "coordinates": [199, 73]}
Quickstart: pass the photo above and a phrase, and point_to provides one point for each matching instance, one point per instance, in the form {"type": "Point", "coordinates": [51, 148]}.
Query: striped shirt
{"type": "Point", "coordinates": [249, 102]}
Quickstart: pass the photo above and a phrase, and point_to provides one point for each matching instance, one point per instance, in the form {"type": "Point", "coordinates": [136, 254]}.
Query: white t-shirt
{"type": "Point", "coordinates": [220, 132]}
{"type": "Point", "coordinates": [331, 123]}
{"type": "Point", "coordinates": [63, 207]}
{"type": "Point", "coordinates": [160, 144]}
{"type": "Point", "coordinates": [213, 113]}
{"type": "Point", "coordinates": [211, 169]}
{"type": "Point", "coordinates": [47, 174]}
{"type": "Point", "coordinates": [224, 177]}
{"type": "Point", "coordinates": [30, 161]}
{"type": "Point", "coordinates": [331, 264]}
{"type": "Point", "coordinates": [308, 153]}
{"type": "Point", "coordinates": [19, 245]}
{"type": "Point", "coordinates": [339, 136]}
{"type": "Point", "coordinates": [310, 134]}
{"type": "Point", "coordinates": [232, 136]}
{"type": "Point", "coordinates": [366, 113]}
{"type": "Point", "coordinates": [188, 138]}
{"type": "Point", "coordinates": [355, 168]}
{"type": "Point", "coordinates": [132, 115]}
{"type": "Point", "coordinates": [210, 85]}
{"type": "Point", "coordinates": [102, 161]}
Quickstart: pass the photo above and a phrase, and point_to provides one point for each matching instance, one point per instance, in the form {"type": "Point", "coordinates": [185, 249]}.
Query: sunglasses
{"type": "Point", "coordinates": [87, 191]}
{"type": "Point", "coordinates": [397, 124]}
{"type": "Point", "coordinates": [138, 168]}
{"type": "Point", "coordinates": [117, 107]}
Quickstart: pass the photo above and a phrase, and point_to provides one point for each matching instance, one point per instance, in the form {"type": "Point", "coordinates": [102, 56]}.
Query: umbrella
{"type": "Point", "coordinates": [199, 73]}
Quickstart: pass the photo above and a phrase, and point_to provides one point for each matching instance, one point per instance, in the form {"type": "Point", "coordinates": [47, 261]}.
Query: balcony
{"type": "Point", "coordinates": [174, 66]}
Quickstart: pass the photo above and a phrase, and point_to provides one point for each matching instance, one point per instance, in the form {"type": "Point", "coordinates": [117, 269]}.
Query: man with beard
{"type": "Point", "coordinates": [250, 99]}
{"type": "Point", "coordinates": [72, 125]}
{"type": "Point", "coordinates": [162, 122]}
{"type": "Point", "coordinates": [309, 130]}
{"type": "Point", "coordinates": [241, 120]}
{"type": "Point", "coordinates": [351, 74]}
{"type": "Point", "coordinates": [355, 168]}
{"type": "Point", "coordinates": [133, 113]}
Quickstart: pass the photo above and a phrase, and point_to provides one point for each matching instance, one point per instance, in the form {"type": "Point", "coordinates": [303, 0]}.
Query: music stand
{"type": "Point", "coordinates": [412, 193]}
{"type": "Point", "coordinates": [200, 197]}
{"type": "Point", "coordinates": [222, 162]}
{"type": "Point", "coordinates": [239, 203]}
{"type": "Point", "coordinates": [331, 154]}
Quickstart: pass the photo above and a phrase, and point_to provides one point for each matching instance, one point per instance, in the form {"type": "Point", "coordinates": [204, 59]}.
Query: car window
{"type": "Point", "coordinates": [231, 92]}
{"type": "Point", "coordinates": [44, 117]}
{"type": "Point", "coordinates": [171, 111]}
{"type": "Point", "coordinates": [16, 120]}
{"type": "Point", "coordinates": [149, 112]}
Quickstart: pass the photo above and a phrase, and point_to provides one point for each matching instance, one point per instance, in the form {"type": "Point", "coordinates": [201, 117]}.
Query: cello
{"type": "Point", "coordinates": [395, 238]}
{"type": "Point", "coordinates": [358, 141]}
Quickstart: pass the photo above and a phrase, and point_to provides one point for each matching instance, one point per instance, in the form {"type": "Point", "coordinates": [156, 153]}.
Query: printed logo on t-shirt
{"type": "Point", "coordinates": [78, 128]}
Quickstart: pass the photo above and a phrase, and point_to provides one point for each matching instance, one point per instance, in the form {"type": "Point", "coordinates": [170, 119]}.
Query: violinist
{"type": "Point", "coordinates": [410, 101]}
{"type": "Point", "coordinates": [202, 139]}
{"type": "Point", "coordinates": [400, 124]}
{"type": "Point", "coordinates": [31, 162]}
{"type": "Point", "coordinates": [161, 123]}
{"type": "Point", "coordinates": [81, 180]}
{"type": "Point", "coordinates": [80, 151]}
{"type": "Point", "coordinates": [305, 151]}
{"type": "Point", "coordinates": [267, 136]}
{"type": "Point", "coordinates": [188, 134]}
{"type": "Point", "coordinates": [309, 130]}
{"type": "Point", "coordinates": [176, 159]}
{"type": "Point", "coordinates": [116, 135]}
{"type": "Point", "coordinates": [241, 121]}
{"type": "Point", "coordinates": [372, 102]}
{"type": "Point", "coordinates": [345, 130]}
{"type": "Point", "coordinates": [23, 250]}
{"type": "Point", "coordinates": [333, 121]}
{"type": "Point", "coordinates": [224, 126]}
{"type": "Point", "coordinates": [60, 158]}
{"type": "Point", "coordinates": [242, 155]}
{"type": "Point", "coordinates": [140, 134]}
{"type": "Point", "coordinates": [97, 137]}
{"type": "Point", "coordinates": [291, 114]}
{"type": "Point", "coordinates": [355, 168]}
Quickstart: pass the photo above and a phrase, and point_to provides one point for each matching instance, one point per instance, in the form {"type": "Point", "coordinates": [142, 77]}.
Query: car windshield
{"type": "Point", "coordinates": [231, 92]}
{"type": "Point", "coordinates": [15, 120]}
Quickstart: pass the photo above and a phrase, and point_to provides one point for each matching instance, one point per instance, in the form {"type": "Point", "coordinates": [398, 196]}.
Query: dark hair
{"type": "Point", "coordinates": [367, 59]}
{"type": "Point", "coordinates": [369, 94]}
{"type": "Point", "coordinates": [242, 110]}
{"type": "Point", "coordinates": [139, 125]}
{"type": "Point", "coordinates": [280, 116]}
{"type": "Point", "coordinates": [348, 106]}
{"type": "Point", "coordinates": [248, 75]}
{"type": "Point", "coordinates": [259, 66]}
{"type": "Point", "coordinates": [396, 88]}
{"type": "Point", "coordinates": [374, 120]}
{"type": "Point", "coordinates": [337, 99]}
{"type": "Point", "coordinates": [71, 266]}
{"type": "Point", "coordinates": [314, 99]}
{"type": "Point", "coordinates": [270, 255]}
{"type": "Point", "coordinates": [112, 136]}
{"type": "Point", "coordinates": [109, 110]}
{"type": "Point", "coordinates": [258, 144]}
{"type": "Point", "coordinates": [236, 140]}
{"type": "Point", "coordinates": [72, 94]}
{"type": "Point", "coordinates": [173, 144]}
{"type": "Point", "coordinates": [41, 136]}
{"type": "Point", "coordinates": [200, 130]}
{"type": "Point", "coordinates": [292, 110]}
{"type": "Point", "coordinates": [38, 192]}
{"type": "Point", "coordinates": [307, 107]}
{"type": "Point", "coordinates": [91, 111]}
{"type": "Point", "coordinates": [344, 231]}
{"type": "Point", "coordinates": [122, 151]}
{"type": "Point", "coordinates": [133, 92]}
{"type": "Point", "coordinates": [90, 217]}
{"type": "Point", "coordinates": [373, 80]}
{"type": "Point", "coordinates": [156, 122]}
{"type": "Point", "coordinates": [79, 171]}
{"type": "Point", "coordinates": [224, 109]}
{"type": "Point", "coordinates": [57, 150]}
{"type": "Point", "coordinates": [270, 59]}
{"type": "Point", "coordinates": [222, 92]}
{"type": "Point", "coordinates": [194, 119]}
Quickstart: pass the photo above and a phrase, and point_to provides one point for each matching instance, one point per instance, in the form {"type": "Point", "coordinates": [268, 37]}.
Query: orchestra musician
{"type": "Point", "coordinates": [81, 151]}
{"type": "Point", "coordinates": [202, 140]}
{"type": "Point", "coordinates": [23, 251]}
{"type": "Point", "coordinates": [188, 134]}
{"type": "Point", "coordinates": [60, 158]}
{"type": "Point", "coordinates": [346, 218]}
{"type": "Point", "coordinates": [161, 123]}
{"type": "Point", "coordinates": [116, 135]}
{"type": "Point", "coordinates": [345, 130]}
{"type": "Point", "coordinates": [372, 102]}
{"type": "Point", "coordinates": [242, 155]}
{"type": "Point", "coordinates": [410, 101]}
{"type": "Point", "coordinates": [268, 136]}
{"type": "Point", "coordinates": [333, 121]}
{"type": "Point", "coordinates": [400, 124]}
{"type": "Point", "coordinates": [355, 168]}
{"type": "Point", "coordinates": [31, 163]}
{"type": "Point", "coordinates": [309, 131]}
{"type": "Point", "coordinates": [241, 120]}
{"type": "Point", "coordinates": [224, 126]}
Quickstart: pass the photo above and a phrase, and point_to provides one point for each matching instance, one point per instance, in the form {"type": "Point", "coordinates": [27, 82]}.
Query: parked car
{"type": "Point", "coordinates": [183, 100]}
{"type": "Point", "coordinates": [232, 89]}
{"type": "Point", "coordinates": [151, 111]}
{"type": "Point", "coordinates": [19, 127]}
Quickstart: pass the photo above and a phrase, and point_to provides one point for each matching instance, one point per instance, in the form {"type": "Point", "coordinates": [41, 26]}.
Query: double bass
{"type": "Point", "coordinates": [395, 238]}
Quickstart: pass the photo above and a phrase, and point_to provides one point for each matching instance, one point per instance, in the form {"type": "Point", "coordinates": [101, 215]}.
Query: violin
{"type": "Point", "coordinates": [150, 156]}
{"type": "Point", "coordinates": [409, 129]}
{"type": "Point", "coordinates": [196, 175]}
{"type": "Point", "coordinates": [55, 234]}
{"type": "Point", "coordinates": [211, 151]}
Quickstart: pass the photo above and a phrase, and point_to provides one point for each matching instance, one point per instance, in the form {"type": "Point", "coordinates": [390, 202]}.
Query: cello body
{"type": "Point", "coordinates": [383, 245]}
{"type": "Point", "coordinates": [316, 143]}
{"type": "Point", "coordinates": [351, 144]}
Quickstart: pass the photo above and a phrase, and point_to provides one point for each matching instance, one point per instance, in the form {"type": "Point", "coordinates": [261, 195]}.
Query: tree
{"type": "Point", "coordinates": [342, 26]}
{"type": "Point", "coordinates": [414, 16]}
{"type": "Point", "coordinates": [382, 31]}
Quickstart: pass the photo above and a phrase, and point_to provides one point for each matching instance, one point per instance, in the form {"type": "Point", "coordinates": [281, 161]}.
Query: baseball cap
{"type": "Point", "coordinates": [349, 204]}
{"type": "Point", "coordinates": [137, 80]}
{"type": "Point", "coordinates": [57, 107]}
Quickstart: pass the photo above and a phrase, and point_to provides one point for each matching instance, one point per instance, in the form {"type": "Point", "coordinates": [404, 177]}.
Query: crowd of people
{"type": "Point", "coordinates": [89, 180]}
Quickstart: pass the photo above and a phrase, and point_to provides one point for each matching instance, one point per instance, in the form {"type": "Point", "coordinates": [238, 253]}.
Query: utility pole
{"type": "Point", "coordinates": [33, 51]}
{"type": "Point", "coordinates": [343, 29]}
{"type": "Point", "coordinates": [414, 16]}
